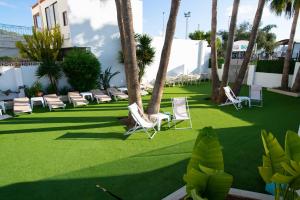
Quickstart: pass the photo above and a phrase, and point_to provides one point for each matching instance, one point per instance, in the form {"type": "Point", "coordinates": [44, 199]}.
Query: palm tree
{"type": "Point", "coordinates": [291, 9]}
{"type": "Point", "coordinates": [154, 104]}
{"type": "Point", "coordinates": [230, 41]}
{"type": "Point", "coordinates": [134, 91]}
{"type": "Point", "coordinates": [255, 27]}
{"type": "Point", "coordinates": [213, 39]}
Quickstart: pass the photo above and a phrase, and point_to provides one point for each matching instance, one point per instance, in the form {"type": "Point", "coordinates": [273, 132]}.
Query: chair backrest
{"type": "Point", "coordinates": [135, 113]}
{"type": "Point", "coordinates": [230, 94]}
{"type": "Point", "coordinates": [74, 94]}
{"type": "Point", "coordinates": [256, 92]}
{"type": "Point", "coordinates": [22, 100]}
{"type": "Point", "coordinates": [97, 92]}
{"type": "Point", "coordinates": [180, 107]}
{"type": "Point", "coordinates": [51, 97]}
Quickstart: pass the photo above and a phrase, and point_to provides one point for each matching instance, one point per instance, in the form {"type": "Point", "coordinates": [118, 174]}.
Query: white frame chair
{"type": "Point", "coordinates": [140, 122]}
{"type": "Point", "coordinates": [54, 102]}
{"type": "Point", "coordinates": [1, 112]}
{"type": "Point", "coordinates": [255, 95]}
{"type": "Point", "coordinates": [183, 114]}
{"type": "Point", "coordinates": [2, 106]}
{"type": "Point", "coordinates": [235, 100]}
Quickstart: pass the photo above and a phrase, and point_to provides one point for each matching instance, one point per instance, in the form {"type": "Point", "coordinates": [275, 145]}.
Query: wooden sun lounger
{"type": "Point", "coordinates": [77, 99]}
{"type": "Point", "coordinates": [100, 96]}
{"type": "Point", "coordinates": [117, 94]}
{"type": "Point", "coordinates": [54, 102]}
{"type": "Point", "coordinates": [22, 105]}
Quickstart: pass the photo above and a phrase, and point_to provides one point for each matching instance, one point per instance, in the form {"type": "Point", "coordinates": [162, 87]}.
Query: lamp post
{"type": "Point", "coordinates": [187, 15]}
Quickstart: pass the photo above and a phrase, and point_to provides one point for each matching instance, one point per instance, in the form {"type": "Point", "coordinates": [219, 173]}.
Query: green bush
{"type": "Point", "coordinates": [82, 69]}
{"type": "Point", "coordinates": [273, 66]}
{"type": "Point", "coordinates": [220, 63]}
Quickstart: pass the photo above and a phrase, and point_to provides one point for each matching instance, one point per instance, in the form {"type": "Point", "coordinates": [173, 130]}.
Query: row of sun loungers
{"type": "Point", "coordinates": [22, 105]}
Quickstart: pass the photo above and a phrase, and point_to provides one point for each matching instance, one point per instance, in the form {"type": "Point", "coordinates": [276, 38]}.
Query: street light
{"type": "Point", "coordinates": [187, 15]}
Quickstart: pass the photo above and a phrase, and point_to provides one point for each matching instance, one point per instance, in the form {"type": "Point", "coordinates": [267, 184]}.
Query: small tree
{"type": "Point", "coordinates": [145, 53]}
{"type": "Point", "coordinates": [82, 69]}
{"type": "Point", "coordinates": [43, 46]}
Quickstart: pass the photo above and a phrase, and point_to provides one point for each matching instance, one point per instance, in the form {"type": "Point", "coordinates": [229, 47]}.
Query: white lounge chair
{"type": "Point", "coordinates": [53, 102]}
{"type": "Point", "coordinates": [255, 94]}
{"type": "Point", "coordinates": [0, 112]}
{"type": "Point", "coordinates": [235, 100]}
{"type": "Point", "coordinates": [22, 105]}
{"type": "Point", "coordinates": [2, 106]}
{"type": "Point", "coordinates": [299, 131]}
{"type": "Point", "coordinates": [77, 99]}
{"type": "Point", "coordinates": [140, 122]}
{"type": "Point", "coordinates": [181, 111]}
{"type": "Point", "coordinates": [100, 96]}
{"type": "Point", "coordinates": [117, 94]}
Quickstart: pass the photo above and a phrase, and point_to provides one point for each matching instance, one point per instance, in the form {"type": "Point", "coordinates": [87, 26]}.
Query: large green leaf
{"type": "Point", "coordinates": [195, 180]}
{"type": "Point", "coordinates": [218, 186]}
{"type": "Point", "coordinates": [207, 151]}
{"type": "Point", "coordinates": [195, 196]}
{"type": "Point", "coordinates": [292, 146]}
{"type": "Point", "coordinates": [275, 155]}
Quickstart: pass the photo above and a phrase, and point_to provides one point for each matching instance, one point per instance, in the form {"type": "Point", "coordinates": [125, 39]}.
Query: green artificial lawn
{"type": "Point", "coordinates": [64, 154]}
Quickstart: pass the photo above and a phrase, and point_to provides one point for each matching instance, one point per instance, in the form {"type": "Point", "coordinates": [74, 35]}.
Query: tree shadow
{"type": "Point", "coordinates": [88, 136]}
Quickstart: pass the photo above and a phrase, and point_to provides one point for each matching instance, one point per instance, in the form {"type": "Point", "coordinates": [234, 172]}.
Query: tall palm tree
{"type": "Point", "coordinates": [213, 39]}
{"type": "Point", "coordinates": [255, 27]}
{"type": "Point", "coordinates": [134, 92]}
{"type": "Point", "coordinates": [291, 9]}
{"type": "Point", "coordinates": [154, 104]}
{"type": "Point", "coordinates": [122, 32]}
{"type": "Point", "coordinates": [230, 41]}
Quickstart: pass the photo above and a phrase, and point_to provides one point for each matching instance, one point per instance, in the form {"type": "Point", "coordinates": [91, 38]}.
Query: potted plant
{"type": "Point", "coordinates": [37, 89]}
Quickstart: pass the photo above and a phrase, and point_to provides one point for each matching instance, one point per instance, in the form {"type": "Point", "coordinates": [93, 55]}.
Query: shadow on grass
{"type": "Point", "coordinates": [87, 136]}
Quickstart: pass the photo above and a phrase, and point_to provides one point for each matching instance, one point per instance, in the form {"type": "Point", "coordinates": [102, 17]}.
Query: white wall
{"type": "Point", "coordinates": [187, 56]}
{"type": "Point", "coordinates": [12, 78]}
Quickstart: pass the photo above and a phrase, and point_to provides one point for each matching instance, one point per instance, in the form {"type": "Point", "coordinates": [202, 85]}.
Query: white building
{"type": "Point", "coordinates": [93, 24]}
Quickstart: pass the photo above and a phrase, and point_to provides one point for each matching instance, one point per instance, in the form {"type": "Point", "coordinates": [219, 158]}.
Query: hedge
{"type": "Point", "coordinates": [220, 62]}
{"type": "Point", "coordinates": [273, 66]}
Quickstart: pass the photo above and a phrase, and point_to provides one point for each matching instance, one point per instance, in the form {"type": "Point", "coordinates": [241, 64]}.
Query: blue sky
{"type": "Point", "coordinates": [18, 12]}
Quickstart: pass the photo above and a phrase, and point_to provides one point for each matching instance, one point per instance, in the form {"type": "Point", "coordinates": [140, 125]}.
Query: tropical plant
{"type": "Point", "coordinates": [214, 57]}
{"type": "Point", "coordinates": [106, 77]}
{"type": "Point", "coordinates": [205, 177]}
{"type": "Point", "coordinates": [50, 69]}
{"type": "Point", "coordinates": [82, 69]}
{"type": "Point", "coordinates": [229, 46]}
{"type": "Point", "coordinates": [125, 23]}
{"type": "Point", "coordinates": [252, 40]}
{"type": "Point", "coordinates": [37, 88]}
{"type": "Point", "coordinates": [145, 53]}
{"type": "Point", "coordinates": [291, 8]}
{"type": "Point", "coordinates": [282, 167]}
{"type": "Point", "coordinates": [157, 93]}
{"type": "Point", "coordinates": [42, 45]}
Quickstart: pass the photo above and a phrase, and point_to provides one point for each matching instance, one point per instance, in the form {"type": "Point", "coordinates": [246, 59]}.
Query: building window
{"type": "Point", "coordinates": [37, 21]}
{"type": "Point", "coordinates": [51, 15]}
{"type": "Point", "coordinates": [65, 18]}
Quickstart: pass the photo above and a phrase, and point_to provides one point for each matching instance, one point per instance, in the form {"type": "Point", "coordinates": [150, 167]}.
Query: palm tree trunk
{"type": "Point", "coordinates": [214, 67]}
{"type": "Point", "coordinates": [288, 57]}
{"type": "Point", "coordinates": [230, 41]}
{"type": "Point", "coordinates": [134, 92]}
{"type": "Point", "coordinates": [122, 33]}
{"type": "Point", "coordinates": [154, 104]}
{"type": "Point", "coordinates": [257, 19]}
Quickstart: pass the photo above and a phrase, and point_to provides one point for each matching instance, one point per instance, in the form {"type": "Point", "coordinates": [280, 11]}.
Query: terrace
{"type": "Point", "coordinates": [64, 154]}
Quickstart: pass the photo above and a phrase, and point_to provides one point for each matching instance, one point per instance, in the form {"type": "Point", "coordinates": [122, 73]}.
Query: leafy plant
{"type": "Point", "coordinates": [145, 53]}
{"type": "Point", "coordinates": [82, 69]}
{"type": "Point", "coordinates": [51, 89]}
{"type": "Point", "coordinates": [205, 177]}
{"type": "Point", "coordinates": [282, 167]}
{"type": "Point", "coordinates": [106, 77]}
{"type": "Point", "coordinates": [64, 90]}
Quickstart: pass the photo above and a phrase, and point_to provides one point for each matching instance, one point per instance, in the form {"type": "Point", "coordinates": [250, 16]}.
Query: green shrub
{"type": "Point", "coordinates": [273, 66]}
{"type": "Point", "coordinates": [82, 69]}
{"type": "Point", "coordinates": [220, 63]}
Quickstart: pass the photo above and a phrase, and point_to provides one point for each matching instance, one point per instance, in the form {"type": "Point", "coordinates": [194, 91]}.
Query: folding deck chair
{"type": "Point", "coordinates": [255, 94]}
{"type": "Point", "coordinates": [77, 99]}
{"type": "Point", "coordinates": [181, 111]}
{"type": "Point", "coordinates": [235, 100]}
{"type": "Point", "coordinates": [140, 122]}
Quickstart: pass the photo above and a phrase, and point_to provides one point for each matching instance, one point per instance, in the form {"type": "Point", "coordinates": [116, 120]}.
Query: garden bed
{"type": "Point", "coordinates": [287, 93]}
{"type": "Point", "coordinates": [234, 194]}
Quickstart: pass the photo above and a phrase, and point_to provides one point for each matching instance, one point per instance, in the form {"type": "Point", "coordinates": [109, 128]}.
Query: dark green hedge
{"type": "Point", "coordinates": [273, 66]}
{"type": "Point", "coordinates": [220, 62]}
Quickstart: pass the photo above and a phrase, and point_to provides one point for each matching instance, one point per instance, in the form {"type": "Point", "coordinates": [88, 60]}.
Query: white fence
{"type": "Point", "coordinates": [13, 77]}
